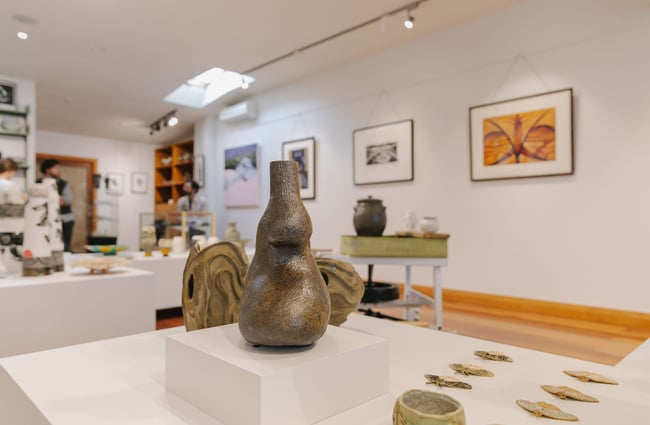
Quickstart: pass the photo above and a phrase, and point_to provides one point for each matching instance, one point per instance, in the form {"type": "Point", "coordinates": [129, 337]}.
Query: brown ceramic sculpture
{"type": "Point", "coordinates": [285, 301]}
{"type": "Point", "coordinates": [344, 285]}
{"type": "Point", "coordinates": [212, 285]}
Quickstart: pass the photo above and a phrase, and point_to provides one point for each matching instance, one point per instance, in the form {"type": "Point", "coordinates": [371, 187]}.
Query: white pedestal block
{"type": "Point", "coordinates": [217, 371]}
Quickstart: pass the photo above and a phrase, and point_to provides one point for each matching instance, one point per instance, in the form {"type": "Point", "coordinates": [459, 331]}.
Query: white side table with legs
{"type": "Point", "coordinates": [411, 296]}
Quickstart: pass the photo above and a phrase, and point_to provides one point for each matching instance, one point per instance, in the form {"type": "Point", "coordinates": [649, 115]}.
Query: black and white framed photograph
{"type": "Point", "coordinates": [383, 153]}
{"type": "Point", "coordinates": [139, 182]}
{"type": "Point", "coordinates": [199, 171]}
{"type": "Point", "coordinates": [114, 183]}
{"type": "Point", "coordinates": [7, 93]}
{"type": "Point", "coordinates": [303, 152]}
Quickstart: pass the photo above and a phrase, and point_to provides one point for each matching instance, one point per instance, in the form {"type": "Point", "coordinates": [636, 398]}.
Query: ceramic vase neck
{"type": "Point", "coordinates": [285, 183]}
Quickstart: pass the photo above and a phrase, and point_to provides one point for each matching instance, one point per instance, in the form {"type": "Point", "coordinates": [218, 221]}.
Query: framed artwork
{"type": "Point", "coordinates": [525, 137]}
{"type": "Point", "coordinates": [241, 178]}
{"type": "Point", "coordinates": [383, 153]}
{"type": "Point", "coordinates": [303, 152]}
{"type": "Point", "coordinates": [139, 182]}
{"type": "Point", "coordinates": [199, 171]}
{"type": "Point", "coordinates": [7, 93]}
{"type": "Point", "coordinates": [114, 183]}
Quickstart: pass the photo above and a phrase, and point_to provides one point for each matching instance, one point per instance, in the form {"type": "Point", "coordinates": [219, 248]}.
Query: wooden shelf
{"type": "Point", "coordinates": [171, 174]}
{"type": "Point", "coordinates": [10, 134]}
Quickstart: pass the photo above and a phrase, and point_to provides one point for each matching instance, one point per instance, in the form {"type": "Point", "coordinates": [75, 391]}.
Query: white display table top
{"type": "Point", "coordinates": [121, 381]}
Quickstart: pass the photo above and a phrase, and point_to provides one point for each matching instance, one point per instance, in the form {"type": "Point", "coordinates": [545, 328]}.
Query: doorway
{"type": "Point", "coordinates": [78, 172]}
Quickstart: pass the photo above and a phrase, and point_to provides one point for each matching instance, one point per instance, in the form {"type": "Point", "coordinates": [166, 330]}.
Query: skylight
{"type": "Point", "coordinates": [205, 88]}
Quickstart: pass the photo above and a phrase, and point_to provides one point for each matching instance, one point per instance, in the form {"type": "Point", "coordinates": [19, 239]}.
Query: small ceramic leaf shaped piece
{"type": "Point", "coordinates": [565, 392]}
{"type": "Point", "coordinates": [548, 410]}
{"type": "Point", "coordinates": [470, 369]}
{"type": "Point", "coordinates": [590, 376]}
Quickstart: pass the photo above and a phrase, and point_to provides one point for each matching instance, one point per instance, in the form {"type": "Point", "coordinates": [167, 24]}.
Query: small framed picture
{"type": "Point", "coordinates": [114, 183]}
{"type": "Point", "coordinates": [525, 137]}
{"type": "Point", "coordinates": [139, 182]}
{"type": "Point", "coordinates": [303, 152]}
{"type": "Point", "coordinates": [383, 153]}
{"type": "Point", "coordinates": [7, 93]}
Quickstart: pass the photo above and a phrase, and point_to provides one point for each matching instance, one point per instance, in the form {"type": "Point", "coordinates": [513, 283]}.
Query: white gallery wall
{"type": "Point", "coordinates": [113, 156]}
{"type": "Point", "coordinates": [582, 239]}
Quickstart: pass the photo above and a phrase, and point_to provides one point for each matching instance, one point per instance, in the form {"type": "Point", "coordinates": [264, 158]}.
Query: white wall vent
{"type": "Point", "coordinates": [239, 112]}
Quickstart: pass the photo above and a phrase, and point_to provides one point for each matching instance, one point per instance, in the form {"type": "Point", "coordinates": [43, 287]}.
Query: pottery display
{"type": "Point", "coordinates": [410, 221]}
{"type": "Point", "coordinates": [369, 217]}
{"type": "Point", "coordinates": [285, 300]}
{"type": "Point", "coordinates": [345, 288]}
{"type": "Point", "coordinates": [147, 239]}
{"type": "Point", "coordinates": [36, 242]}
{"type": "Point", "coordinates": [165, 246]}
{"type": "Point", "coordinates": [419, 407]}
{"type": "Point", "coordinates": [231, 233]}
{"type": "Point", "coordinates": [429, 224]}
{"type": "Point", "coordinates": [178, 245]}
{"type": "Point", "coordinates": [56, 226]}
{"type": "Point", "coordinates": [101, 264]}
{"type": "Point", "coordinates": [212, 285]}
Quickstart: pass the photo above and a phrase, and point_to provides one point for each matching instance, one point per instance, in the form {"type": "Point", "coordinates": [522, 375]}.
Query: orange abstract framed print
{"type": "Point", "coordinates": [525, 137]}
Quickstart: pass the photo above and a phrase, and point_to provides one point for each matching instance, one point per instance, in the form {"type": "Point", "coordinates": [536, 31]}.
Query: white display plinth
{"type": "Point", "coordinates": [216, 370]}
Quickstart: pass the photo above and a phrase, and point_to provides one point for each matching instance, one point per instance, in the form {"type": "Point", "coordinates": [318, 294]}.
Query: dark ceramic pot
{"type": "Point", "coordinates": [369, 217]}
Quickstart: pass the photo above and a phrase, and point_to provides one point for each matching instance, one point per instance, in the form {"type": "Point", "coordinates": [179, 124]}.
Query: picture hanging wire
{"type": "Point", "coordinates": [524, 59]}
{"type": "Point", "coordinates": [300, 121]}
{"type": "Point", "coordinates": [383, 94]}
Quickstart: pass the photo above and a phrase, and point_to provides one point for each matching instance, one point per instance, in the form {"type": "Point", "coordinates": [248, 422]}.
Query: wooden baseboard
{"type": "Point", "coordinates": [630, 319]}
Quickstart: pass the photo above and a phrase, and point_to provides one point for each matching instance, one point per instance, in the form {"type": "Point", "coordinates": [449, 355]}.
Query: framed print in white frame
{"type": "Point", "coordinates": [530, 136]}
{"type": "Point", "coordinates": [115, 183]}
{"type": "Point", "coordinates": [383, 153]}
{"type": "Point", "coordinates": [139, 182]}
{"type": "Point", "coordinates": [303, 152]}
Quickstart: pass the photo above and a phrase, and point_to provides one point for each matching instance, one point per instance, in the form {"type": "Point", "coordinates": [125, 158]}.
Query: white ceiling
{"type": "Point", "coordinates": [102, 67]}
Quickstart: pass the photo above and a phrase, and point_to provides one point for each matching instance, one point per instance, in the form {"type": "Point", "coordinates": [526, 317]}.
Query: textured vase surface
{"type": "Point", "coordinates": [285, 300]}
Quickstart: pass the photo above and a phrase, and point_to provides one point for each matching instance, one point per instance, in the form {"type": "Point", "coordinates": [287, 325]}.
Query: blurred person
{"type": "Point", "coordinates": [193, 202]}
{"type": "Point", "coordinates": [12, 198]}
{"type": "Point", "coordinates": [50, 169]}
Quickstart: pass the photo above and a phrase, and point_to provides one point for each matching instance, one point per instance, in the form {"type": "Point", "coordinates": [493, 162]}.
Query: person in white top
{"type": "Point", "coordinates": [193, 202]}
{"type": "Point", "coordinates": [12, 198]}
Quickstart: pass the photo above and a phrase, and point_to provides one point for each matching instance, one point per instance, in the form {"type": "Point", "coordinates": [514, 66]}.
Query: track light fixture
{"type": "Point", "coordinates": [167, 120]}
{"type": "Point", "coordinates": [410, 20]}
{"type": "Point", "coordinates": [381, 19]}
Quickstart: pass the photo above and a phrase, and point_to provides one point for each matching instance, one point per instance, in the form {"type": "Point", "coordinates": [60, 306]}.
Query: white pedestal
{"type": "Point", "coordinates": [73, 307]}
{"type": "Point", "coordinates": [216, 370]}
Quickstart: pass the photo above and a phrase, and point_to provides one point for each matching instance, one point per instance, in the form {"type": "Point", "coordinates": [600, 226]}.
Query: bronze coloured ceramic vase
{"type": "Point", "coordinates": [285, 300]}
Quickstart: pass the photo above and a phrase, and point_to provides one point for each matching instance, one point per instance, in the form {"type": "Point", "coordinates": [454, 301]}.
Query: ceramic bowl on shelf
{"type": "Point", "coordinates": [106, 249]}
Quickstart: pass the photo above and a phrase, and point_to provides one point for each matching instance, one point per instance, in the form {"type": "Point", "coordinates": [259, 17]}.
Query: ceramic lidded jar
{"type": "Point", "coordinates": [369, 217]}
{"type": "Point", "coordinates": [285, 300]}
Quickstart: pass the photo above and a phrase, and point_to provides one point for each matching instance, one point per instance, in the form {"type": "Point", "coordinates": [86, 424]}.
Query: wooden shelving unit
{"type": "Point", "coordinates": [173, 164]}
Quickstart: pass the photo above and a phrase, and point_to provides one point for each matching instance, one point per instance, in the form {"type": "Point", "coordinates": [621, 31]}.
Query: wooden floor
{"type": "Point", "coordinates": [573, 338]}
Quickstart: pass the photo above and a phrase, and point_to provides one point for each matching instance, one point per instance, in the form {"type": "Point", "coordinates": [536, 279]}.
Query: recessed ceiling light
{"type": "Point", "coordinates": [22, 35]}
